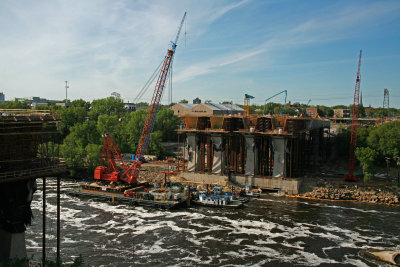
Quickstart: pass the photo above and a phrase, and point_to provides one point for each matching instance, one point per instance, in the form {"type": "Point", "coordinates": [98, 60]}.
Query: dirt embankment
{"type": "Point", "coordinates": [357, 192]}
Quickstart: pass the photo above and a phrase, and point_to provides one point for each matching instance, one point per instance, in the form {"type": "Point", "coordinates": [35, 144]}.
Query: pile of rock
{"type": "Point", "coordinates": [151, 177]}
{"type": "Point", "coordinates": [355, 192]}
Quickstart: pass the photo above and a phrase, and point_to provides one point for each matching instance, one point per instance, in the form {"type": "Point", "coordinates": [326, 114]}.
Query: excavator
{"type": "Point", "coordinates": [113, 169]}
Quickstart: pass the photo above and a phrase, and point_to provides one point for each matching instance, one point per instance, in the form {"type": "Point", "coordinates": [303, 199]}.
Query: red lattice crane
{"type": "Point", "coordinates": [354, 125]}
{"type": "Point", "coordinates": [130, 174]}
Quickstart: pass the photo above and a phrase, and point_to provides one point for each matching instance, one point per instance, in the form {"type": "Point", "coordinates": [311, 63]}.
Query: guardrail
{"type": "Point", "coordinates": [12, 176]}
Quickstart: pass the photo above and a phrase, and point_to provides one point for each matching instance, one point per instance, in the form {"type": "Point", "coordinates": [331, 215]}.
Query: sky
{"type": "Point", "coordinates": [226, 49]}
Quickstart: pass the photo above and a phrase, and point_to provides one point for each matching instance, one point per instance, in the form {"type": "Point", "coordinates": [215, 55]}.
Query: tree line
{"type": "Point", "coordinates": [377, 147]}
{"type": "Point", "coordinates": [84, 123]}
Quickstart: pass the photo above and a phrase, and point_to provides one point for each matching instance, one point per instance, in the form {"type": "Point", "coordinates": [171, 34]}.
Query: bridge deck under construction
{"type": "Point", "coordinates": [258, 146]}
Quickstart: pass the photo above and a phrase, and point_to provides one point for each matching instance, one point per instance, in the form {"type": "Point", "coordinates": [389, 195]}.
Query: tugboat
{"type": "Point", "coordinates": [217, 199]}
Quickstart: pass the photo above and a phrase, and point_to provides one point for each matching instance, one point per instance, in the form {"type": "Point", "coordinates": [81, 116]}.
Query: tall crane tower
{"type": "Point", "coordinates": [385, 104]}
{"type": "Point", "coordinates": [130, 175]}
{"type": "Point", "coordinates": [354, 125]}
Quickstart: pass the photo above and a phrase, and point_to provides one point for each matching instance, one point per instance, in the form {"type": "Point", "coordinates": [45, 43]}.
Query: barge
{"type": "Point", "coordinates": [139, 196]}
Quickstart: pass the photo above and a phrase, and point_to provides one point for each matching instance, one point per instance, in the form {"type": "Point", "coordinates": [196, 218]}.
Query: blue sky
{"type": "Point", "coordinates": [309, 48]}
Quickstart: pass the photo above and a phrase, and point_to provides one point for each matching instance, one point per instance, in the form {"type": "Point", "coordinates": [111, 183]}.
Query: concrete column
{"type": "Point", "coordinates": [279, 144]}
{"type": "Point", "coordinates": [217, 158]}
{"type": "Point", "coordinates": [192, 150]}
{"type": "Point", "coordinates": [12, 245]}
{"type": "Point", "coordinates": [249, 139]}
{"type": "Point", "coordinates": [256, 166]}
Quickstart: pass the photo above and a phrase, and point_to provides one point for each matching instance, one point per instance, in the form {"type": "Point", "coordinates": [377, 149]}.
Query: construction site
{"type": "Point", "coordinates": [269, 152]}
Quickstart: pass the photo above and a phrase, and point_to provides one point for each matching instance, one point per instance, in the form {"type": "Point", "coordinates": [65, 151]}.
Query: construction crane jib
{"type": "Point", "coordinates": [131, 174]}
{"type": "Point", "coordinates": [284, 105]}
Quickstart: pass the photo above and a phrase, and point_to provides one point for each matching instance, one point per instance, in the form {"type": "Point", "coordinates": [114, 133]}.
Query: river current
{"type": "Point", "coordinates": [269, 231]}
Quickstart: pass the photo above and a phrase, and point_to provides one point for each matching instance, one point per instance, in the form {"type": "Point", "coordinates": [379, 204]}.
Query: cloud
{"type": "Point", "coordinates": [325, 28]}
{"type": "Point", "coordinates": [114, 44]}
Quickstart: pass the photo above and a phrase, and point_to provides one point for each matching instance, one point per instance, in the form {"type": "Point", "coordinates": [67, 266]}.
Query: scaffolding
{"type": "Point", "coordinates": [29, 149]}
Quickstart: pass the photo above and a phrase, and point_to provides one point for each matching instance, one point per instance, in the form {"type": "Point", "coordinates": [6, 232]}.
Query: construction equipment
{"type": "Point", "coordinates": [354, 125]}
{"type": "Point", "coordinates": [247, 104]}
{"type": "Point", "coordinates": [131, 173]}
{"type": "Point", "coordinates": [284, 105]}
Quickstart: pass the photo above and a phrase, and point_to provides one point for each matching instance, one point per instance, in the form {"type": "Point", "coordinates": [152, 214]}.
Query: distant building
{"type": "Point", "coordinates": [130, 107]}
{"type": "Point", "coordinates": [341, 113]}
{"type": "Point", "coordinates": [206, 109]}
{"type": "Point", "coordinates": [197, 101]}
{"type": "Point", "coordinates": [182, 109]}
{"type": "Point", "coordinates": [38, 104]}
{"type": "Point", "coordinates": [2, 97]}
{"type": "Point", "coordinates": [312, 112]}
{"type": "Point", "coordinates": [37, 101]}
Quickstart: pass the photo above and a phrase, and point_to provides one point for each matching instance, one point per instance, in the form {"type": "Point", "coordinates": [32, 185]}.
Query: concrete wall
{"type": "Point", "coordinates": [285, 185]}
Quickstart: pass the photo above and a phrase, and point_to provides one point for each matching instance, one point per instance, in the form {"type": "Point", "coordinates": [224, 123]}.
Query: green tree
{"type": "Point", "coordinates": [367, 157]}
{"type": "Point", "coordinates": [129, 131]}
{"type": "Point", "coordinates": [167, 123]}
{"type": "Point", "coordinates": [75, 147]}
{"type": "Point", "coordinates": [93, 152]}
{"type": "Point", "coordinates": [70, 117]}
{"type": "Point", "coordinates": [108, 106]}
{"type": "Point", "coordinates": [155, 147]}
{"type": "Point", "coordinates": [362, 136]}
{"type": "Point", "coordinates": [107, 124]}
{"type": "Point", "coordinates": [81, 103]}
{"type": "Point", "coordinates": [183, 101]}
{"type": "Point", "coordinates": [386, 139]}
{"type": "Point", "coordinates": [14, 105]}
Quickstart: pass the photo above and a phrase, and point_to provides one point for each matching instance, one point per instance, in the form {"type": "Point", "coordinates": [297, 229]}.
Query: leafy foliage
{"type": "Point", "coordinates": [386, 139]}
{"type": "Point", "coordinates": [108, 106]}
{"type": "Point", "coordinates": [367, 157]}
{"type": "Point", "coordinates": [14, 105]}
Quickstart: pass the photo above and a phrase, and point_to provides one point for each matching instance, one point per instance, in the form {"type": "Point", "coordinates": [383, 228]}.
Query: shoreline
{"type": "Point", "coordinates": [338, 190]}
{"type": "Point", "coordinates": [339, 200]}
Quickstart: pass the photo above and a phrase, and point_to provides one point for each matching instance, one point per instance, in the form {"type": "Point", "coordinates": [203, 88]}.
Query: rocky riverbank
{"type": "Point", "coordinates": [372, 194]}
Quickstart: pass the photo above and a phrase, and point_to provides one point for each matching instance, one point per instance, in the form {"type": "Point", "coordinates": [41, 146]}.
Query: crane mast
{"type": "Point", "coordinates": [354, 125]}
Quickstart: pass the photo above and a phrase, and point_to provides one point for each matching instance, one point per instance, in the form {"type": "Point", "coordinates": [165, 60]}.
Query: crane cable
{"type": "Point", "coordinates": [148, 83]}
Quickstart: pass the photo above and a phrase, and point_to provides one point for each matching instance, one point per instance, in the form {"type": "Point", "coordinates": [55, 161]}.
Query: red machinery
{"type": "Point", "coordinates": [110, 157]}
{"type": "Point", "coordinates": [130, 174]}
{"type": "Point", "coordinates": [354, 125]}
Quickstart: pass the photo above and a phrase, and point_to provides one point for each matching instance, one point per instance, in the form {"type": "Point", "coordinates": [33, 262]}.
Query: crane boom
{"type": "Point", "coordinates": [122, 172]}
{"type": "Point", "coordinates": [354, 125]}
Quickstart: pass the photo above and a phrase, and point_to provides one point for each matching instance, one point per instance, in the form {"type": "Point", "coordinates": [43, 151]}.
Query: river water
{"type": "Point", "coordinates": [270, 231]}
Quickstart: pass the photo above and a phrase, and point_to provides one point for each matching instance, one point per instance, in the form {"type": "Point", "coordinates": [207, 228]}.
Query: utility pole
{"type": "Point", "coordinates": [66, 93]}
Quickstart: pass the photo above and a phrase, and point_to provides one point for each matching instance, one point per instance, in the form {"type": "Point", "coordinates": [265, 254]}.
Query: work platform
{"type": "Point", "coordinates": [257, 150]}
